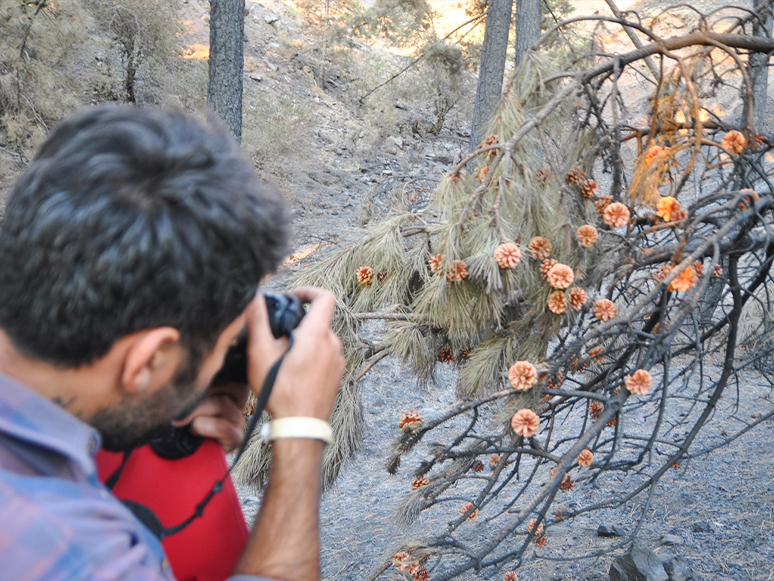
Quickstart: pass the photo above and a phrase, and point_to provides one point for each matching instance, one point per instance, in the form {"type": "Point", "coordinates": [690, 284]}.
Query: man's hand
{"type": "Point", "coordinates": [220, 415]}
{"type": "Point", "coordinates": [285, 543]}
{"type": "Point", "coordinates": [309, 377]}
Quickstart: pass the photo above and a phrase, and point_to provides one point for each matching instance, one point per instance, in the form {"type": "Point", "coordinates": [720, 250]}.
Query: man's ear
{"type": "Point", "coordinates": [151, 360]}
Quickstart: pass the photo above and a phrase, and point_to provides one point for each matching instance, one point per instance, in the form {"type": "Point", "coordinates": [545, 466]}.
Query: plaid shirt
{"type": "Point", "coordinates": [57, 521]}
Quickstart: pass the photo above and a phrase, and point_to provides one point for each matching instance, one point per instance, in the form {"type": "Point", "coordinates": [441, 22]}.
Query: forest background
{"type": "Point", "coordinates": [364, 115]}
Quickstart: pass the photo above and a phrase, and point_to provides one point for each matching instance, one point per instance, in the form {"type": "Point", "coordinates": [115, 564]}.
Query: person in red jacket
{"type": "Point", "coordinates": [130, 254]}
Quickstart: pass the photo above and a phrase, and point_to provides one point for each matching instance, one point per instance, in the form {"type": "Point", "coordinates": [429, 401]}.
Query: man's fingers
{"type": "Point", "coordinates": [322, 304]}
{"type": "Point", "coordinates": [218, 429]}
{"type": "Point", "coordinates": [216, 406]}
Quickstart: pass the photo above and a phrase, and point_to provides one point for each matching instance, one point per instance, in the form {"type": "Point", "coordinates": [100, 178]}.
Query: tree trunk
{"type": "Point", "coordinates": [759, 64]}
{"type": "Point", "coordinates": [529, 13]}
{"type": "Point", "coordinates": [492, 69]}
{"type": "Point", "coordinates": [227, 34]}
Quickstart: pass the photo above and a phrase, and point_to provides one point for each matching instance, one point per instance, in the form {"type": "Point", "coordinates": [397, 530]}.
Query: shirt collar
{"type": "Point", "coordinates": [28, 416]}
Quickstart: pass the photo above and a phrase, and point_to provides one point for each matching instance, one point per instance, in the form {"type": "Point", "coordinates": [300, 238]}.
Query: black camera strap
{"type": "Point", "coordinates": [149, 518]}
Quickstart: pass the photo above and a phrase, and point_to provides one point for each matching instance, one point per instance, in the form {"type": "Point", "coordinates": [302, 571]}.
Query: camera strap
{"type": "Point", "coordinates": [149, 518]}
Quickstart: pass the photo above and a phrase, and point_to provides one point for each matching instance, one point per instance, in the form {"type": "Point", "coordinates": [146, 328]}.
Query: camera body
{"type": "Point", "coordinates": [285, 313]}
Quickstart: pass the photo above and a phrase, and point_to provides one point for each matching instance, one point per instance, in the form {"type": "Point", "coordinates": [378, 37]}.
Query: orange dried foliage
{"type": "Point", "coordinates": [686, 280]}
{"type": "Point", "coordinates": [668, 209]}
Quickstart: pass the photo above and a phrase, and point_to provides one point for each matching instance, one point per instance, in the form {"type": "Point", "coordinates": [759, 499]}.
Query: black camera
{"type": "Point", "coordinates": [285, 313]}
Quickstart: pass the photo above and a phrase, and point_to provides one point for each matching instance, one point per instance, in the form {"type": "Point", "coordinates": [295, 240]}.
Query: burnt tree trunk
{"type": "Point", "coordinates": [492, 69]}
{"type": "Point", "coordinates": [227, 33]}
{"type": "Point", "coordinates": [759, 63]}
{"type": "Point", "coordinates": [529, 13]}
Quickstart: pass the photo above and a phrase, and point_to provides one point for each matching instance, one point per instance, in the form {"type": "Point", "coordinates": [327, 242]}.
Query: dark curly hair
{"type": "Point", "coordinates": [133, 218]}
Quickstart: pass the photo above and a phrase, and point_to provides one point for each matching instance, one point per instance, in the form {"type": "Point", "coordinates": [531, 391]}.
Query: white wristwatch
{"type": "Point", "coordinates": [299, 427]}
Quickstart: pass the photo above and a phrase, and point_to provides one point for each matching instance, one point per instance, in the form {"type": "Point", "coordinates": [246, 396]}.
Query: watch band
{"type": "Point", "coordinates": [297, 427]}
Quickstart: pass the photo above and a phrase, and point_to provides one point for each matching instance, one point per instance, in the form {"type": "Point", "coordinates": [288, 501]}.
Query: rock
{"type": "Point", "coordinates": [677, 569]}
{"type": "Point", "coordinates": [703, 526]}
{"type": "Point", "coordinates": [671, 540]}
{"type": "Point", "coordinates": [638, 564]}
{"type": "Point", "coordinates": [271, 18]}
{"type": "Point", "coordinates": [397, 140]}
{"type": "Point", "coordinates": [610, 531]}
{"type": "Point", "coordinates": [256, 77]}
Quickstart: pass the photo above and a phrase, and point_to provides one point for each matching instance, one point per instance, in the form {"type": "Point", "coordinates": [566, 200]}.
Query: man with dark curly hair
{"type": "Point", "coordinates": [130, 254]}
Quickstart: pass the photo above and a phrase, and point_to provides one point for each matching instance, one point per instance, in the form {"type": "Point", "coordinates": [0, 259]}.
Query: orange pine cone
{"type": "Point", "coordinates": [538, 532]}
{"type": "Point", "coordinates": [402, 561]}
{"type": "Point", "coordinates": [418, 483]}
{"type": "Point", "coordinates": [545, 266]}
{"type": "Point", "coordinates": [653, 153]}
{"type": "Point", "coordinates": [601, 205]}
{"type": "Point", "coordinates": [560, 276]}
{"type": "Point", "coordinates": [507, 255]}
{"type": "Point", "coordinates": [446, 355]}
{"type": "Point", "coordinates": [557, 303]}
{"type": "Point", "coordinates": [639, 382]}
{"type": "Point", "coordinates": [589, 188]}
{"type": "Point", "coordinates": [458, 271]}
{"type": "Point", "coordinates": [365, 275]}
{"type": "Point", "coordinates": [575, 176]}
{"type": "Point", "coordinates": [734, 142]}
{"type": "Point", "coordinates": [435, 262]}
{"type": "Point", "coordinates": [587, 235]}
{"type": "Point", "coordinates": [585, 458]}
{"type": "Point", "coordinates": [577, 297]}
{"type": "Point", "coordinates": [539, 248]}
{"type": "Point", "coordinates": [522, 375]}
{"type": "Point", "coordinates": [525, 423]}
{"type": "Point", "coordinates": [616, 215]}
{"type": "Point", "coordinates": [410, 421]}
{"type": "Point", "coordinates": [469, 506]}
{"type": "Point", "coordinates": [605, 310]}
